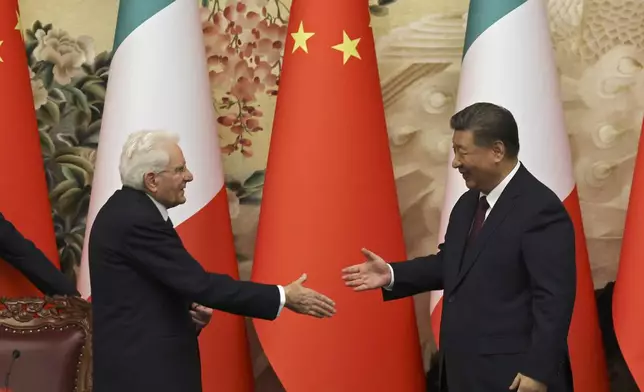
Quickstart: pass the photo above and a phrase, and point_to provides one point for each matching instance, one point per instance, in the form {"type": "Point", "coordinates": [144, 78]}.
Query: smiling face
{"type": "Point", "coordinates": [485, 143]}
{"type": "Point", "coordinates": [168, 185]}
{"type": "Point", "coordinates": [478, 165]}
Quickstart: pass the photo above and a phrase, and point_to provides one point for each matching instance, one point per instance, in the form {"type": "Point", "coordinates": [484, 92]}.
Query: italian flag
{"type": "Point", "coordinates": [159, 80]}
{"type": "Point", "coordinates": [508, 60]}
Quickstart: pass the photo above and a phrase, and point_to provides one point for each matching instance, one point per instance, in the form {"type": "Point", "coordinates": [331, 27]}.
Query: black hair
{"type": "Point", "coordinates": [489, 123]}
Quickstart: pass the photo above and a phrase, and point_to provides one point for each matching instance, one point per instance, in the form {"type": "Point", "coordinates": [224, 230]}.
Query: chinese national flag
{"type": "Point", "coordinates": [23, 199]}
{"type": "Point", "coordinates": [329, 192]}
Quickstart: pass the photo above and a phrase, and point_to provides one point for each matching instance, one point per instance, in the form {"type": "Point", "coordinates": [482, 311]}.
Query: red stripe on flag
{"type": "Point", "coordinates": [225, 360]}
{"type": "Point", "coordinates": [584, 338]}
{"type": "Point", "coordinates": [436, 318]}
{"type": "Point", "coordinates": [628, 295]}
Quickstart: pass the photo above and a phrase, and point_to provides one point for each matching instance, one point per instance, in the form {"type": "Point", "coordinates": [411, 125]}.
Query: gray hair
{"type": "Point", "coordinates": [142, 154]}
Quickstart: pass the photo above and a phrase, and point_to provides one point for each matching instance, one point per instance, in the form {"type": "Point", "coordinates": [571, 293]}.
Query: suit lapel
{"type": "Point", "coordinates": [499, 212]}
{"type": "Point", "coordinates": [460, 233]}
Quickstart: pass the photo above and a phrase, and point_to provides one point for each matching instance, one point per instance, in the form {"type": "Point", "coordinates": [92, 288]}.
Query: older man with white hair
{"type": "Point", "coordinates": [144, 282]}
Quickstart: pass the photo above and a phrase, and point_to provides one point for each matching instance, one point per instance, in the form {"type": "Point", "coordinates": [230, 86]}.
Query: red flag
{"type": "Point", "coordinates": [330, 191]}
{"type": "Point", "coordinates": [628, 295]}
{"type": "Point", "coordinates": [24, 199]}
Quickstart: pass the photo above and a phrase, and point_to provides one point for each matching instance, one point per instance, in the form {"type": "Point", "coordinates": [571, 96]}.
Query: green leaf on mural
{"type": "Point", "coordinates": [67, 139]}
{"type": "Point", "coordinates": [46, 73]}
{"type": "Point", "coordinates": [49, 113]}
{"type": "Point", "coordinates": [255, 180]}
{"type": "Point", "coordinates": [30, 37]}
{"type": "Point", "coordinates": [87, 69]}
{"type": "Point", "coordinates": [30, 45]}
{"type": "Point", "coordinates": [96, 89]}
{"type": "Point", "coordinates": [241, 257]}
{"type": "Point", "coordinates": [255, 199]}
{"type": "Point", "coordinates": [76, 162]}
{"type": "Point", "coordinates": [78, 99]}
{"type": "Point", "coordinates": [68, 203]}
{"type": "Point", "coordinates": [102, 62]}
{"type": "Point", "coordinates": [94, 128]}
{"type": "Point", "coordinates": [75, 173]}
{"type": "Point", "coordinates": [56, 95]}
{"type": "Point", "coordinates": [36, 26]}
{"type": "Point", "coordinates": [88, 137]}
{"type": "Point", "coordinates": [61, 188]}
{"type": "Point", "coordinates": [46, 144]}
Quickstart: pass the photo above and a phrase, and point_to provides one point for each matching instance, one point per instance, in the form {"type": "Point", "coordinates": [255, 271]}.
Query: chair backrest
{"type": "Point", "coordinates": [45, 344]}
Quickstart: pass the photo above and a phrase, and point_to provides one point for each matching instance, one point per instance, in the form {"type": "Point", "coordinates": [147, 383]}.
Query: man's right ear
{"type": "Point", "coordinates": [150, 181]}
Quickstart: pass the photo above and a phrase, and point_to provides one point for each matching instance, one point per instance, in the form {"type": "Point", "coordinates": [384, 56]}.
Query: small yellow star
{"type": "Point", "coordinates": [1, 61]}
{"type": "Point", "coordinates": [348, 47]}
{"type": "Point", "coordinates": [300, 38]}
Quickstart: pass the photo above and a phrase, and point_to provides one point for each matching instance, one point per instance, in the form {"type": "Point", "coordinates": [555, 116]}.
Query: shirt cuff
{"type": "Point", "coordinates": [390, 286]}
{"type": "Point", "coordinates": [282, 300]}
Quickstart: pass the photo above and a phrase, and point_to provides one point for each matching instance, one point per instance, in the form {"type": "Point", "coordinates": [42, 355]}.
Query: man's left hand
{"type": "Point", "coordinates": [523, 383]}
{"type": "Point", "coordinates": [201, 315]}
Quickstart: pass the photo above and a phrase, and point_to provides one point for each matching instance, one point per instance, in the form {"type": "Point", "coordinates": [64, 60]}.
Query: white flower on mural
{"type": "Point", "coordinates": [67, 53]}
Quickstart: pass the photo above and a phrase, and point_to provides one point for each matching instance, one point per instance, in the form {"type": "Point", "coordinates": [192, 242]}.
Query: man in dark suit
{"type": "Point", "coordinates": [507, 268]}
{"type": "Point", "coordinates": [144, 281]}
{"type": "Point", "coordinates": [23, 255]}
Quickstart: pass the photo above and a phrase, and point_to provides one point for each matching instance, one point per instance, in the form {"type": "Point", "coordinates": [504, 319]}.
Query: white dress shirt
{"type": "Point", "coordinates": [164, 213]}
{"type": "Point", "coordinates": [492, 198]}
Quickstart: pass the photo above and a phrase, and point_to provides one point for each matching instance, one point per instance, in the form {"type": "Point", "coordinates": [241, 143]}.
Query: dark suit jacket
{"type": "Point", "coordinates": [508, 308]}
{"type": "Point", "coordinates": [143, 282]}
{"type": "Point", "coordinates": [23, 255]}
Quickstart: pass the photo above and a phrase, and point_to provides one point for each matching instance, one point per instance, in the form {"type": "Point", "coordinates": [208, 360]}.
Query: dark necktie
{"type": "Point", "coordinates": [169, 223]}
{"type": "Point", "coordinates": [479, 218]}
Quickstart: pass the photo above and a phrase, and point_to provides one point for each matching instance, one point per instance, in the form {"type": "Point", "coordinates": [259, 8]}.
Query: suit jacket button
{"type": "Point", "coordinates": [450, 299]}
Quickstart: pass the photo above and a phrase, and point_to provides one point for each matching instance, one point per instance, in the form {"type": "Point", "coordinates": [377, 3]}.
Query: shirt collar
{"type": "Point", "coordinates": [162, 209]}
{"type": "Point", "coordinates": [495, 193]}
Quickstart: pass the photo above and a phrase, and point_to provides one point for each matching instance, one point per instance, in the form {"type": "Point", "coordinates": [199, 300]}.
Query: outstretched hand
{"type": "Point", "coordinates": [303, 300]}
{"type": "Point", "coordinates": [372, 274]}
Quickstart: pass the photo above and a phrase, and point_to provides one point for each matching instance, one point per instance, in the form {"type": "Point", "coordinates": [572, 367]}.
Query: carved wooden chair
{"type": "Point", "coordinates": [45, 344]}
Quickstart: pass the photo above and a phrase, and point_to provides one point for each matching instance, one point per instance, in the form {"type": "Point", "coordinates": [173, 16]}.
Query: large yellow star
{"type": "Point", "coordinates": [300, 38]}
{"type": "Point", "coordinates": [348, 47]}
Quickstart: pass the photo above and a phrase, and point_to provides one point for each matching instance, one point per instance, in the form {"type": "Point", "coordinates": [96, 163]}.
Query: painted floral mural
{"type": "Point", "coordinates": [68, 80]}
{"type": "Point", "coordinates": [600, 54]}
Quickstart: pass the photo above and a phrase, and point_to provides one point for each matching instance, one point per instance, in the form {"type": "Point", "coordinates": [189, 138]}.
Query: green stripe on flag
{"type": "Point", "coordinates": [483, 14]}
{"type": "Point", "coordinates": [132, 13]}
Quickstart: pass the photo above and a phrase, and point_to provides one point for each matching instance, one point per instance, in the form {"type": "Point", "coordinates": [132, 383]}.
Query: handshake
{"type": "Point", "coordinates": [372, 274]}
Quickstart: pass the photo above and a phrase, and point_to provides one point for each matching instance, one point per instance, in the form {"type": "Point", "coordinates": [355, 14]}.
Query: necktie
{"type": "Point", "coordinates": [169, 223]}
{"type": "Point", "coordinates": [479, 218]}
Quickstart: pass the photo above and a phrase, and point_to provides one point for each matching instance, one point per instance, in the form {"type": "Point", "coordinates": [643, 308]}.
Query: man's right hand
{"type": "Point", "coordinates": [372, 274]}
{"type": "Point", "coordinates": [300, 299]}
